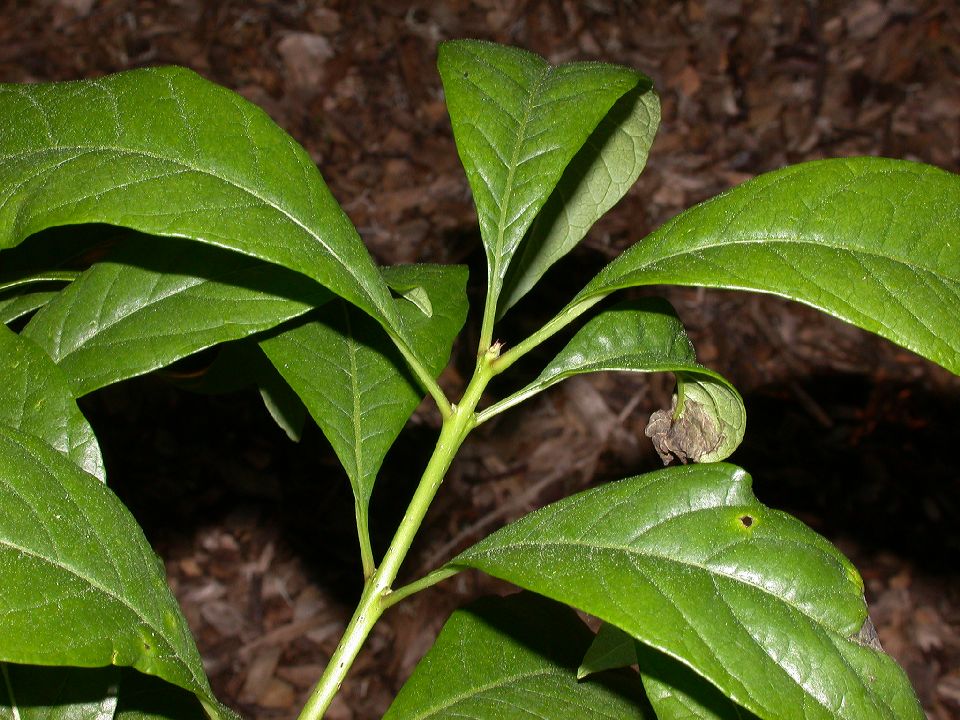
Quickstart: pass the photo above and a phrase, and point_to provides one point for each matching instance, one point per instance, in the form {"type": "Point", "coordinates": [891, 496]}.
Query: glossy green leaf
{"type": "Point", "coordinates": [163, 151]}
{"type": "Point", "coordinates": [514, 657]}
{"type": "Point", "coordinates": [79, 584]}
{"type": "Point", "coordinates": [687, 561]}
{"type": "Point", "coordinates": [154, 303]}
{"type": "Point", "coordinates": [35, 692]}
{"type": "Point", "coordinates": [674, 691]}
{"type": "Point", "coordinates": [610, 649]}
{"type": "Point", "coordinates": [353, 381]}
{"type": "Point", "coordinates": [30, 692]}
{"type": "Point", "coordinates": [607, 165]}
{"type": "Point", "coordinates": [517, 122]}
{"type": "Point", "coordinates": [35, 397]}
{"type": "Point", "coordinates": [143, 697]}
{"type": "Point", "coordinates": [646, 336]}
{"type": "Point", "coordinates": [678, 693]}
{"type": "Point", "coordinates": [18, 306]}
{"type": "Point", "coordinates": [869, 240]}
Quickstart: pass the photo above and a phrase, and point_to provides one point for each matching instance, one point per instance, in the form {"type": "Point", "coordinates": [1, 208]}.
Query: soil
{"type": "Point", "coordinates": [846, 431]}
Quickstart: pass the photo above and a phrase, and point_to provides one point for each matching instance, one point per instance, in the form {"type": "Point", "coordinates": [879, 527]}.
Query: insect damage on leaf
{"type": "Point", "coordinates": [867, 636]}
{"type": "Point", "coordinates": [688, 437]}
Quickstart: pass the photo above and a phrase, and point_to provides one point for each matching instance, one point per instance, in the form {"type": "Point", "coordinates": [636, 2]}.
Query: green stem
{"type": "Point", "coordinates": [424, 376]}
{"type": "Point", "coordinates": [428, 580]}
{"type": "Point", "coordinates": [363, 535]}
{"type": "Point", "coordinates": [377, 589]}
{"type": "Point", "coordinates": [560, 321]}
{"type": "Point", "coordinates": [486, 325]}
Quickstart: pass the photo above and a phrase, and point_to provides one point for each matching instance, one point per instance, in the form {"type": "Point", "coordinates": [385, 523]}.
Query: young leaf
{"type": "Point", "coordinates": [607, 165]}
{"type": "Point", "coordinates": [678, 693]}
{"type": "Point", "coordinates": [155, 302]}
{"type": "Point", "coordinates": [869, 240]}
{"type": "Point", "coordinates": [30, 692]}
{"type": "Point", "coordinates": [610, 649]}
{"type": "Point", "coordinates": [166, 152]}
{"type": "Point", "coordinates": [688, 562]}
{"type": "Point", "coordinates": [18, 306]}
{"type": "Point", "coordinates": [35, 397]}
{"type": "Point", "coordinates": [514, 657]}
{"type": "Point", "coordinates": [517, 122]}
{"type": "Point", "coordinates": [353, 381]}
{"type": "Point", "coordinates": [709, 425]}
{"type": "Point", "coordinates": [79, 584]}
{"type": "Point", "coordinates": [675, 692]}
{"type": "Point", "coordinates": [645, 336]}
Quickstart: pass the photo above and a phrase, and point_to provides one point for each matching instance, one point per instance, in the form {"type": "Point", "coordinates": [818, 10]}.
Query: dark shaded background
{"type": "Point", "coordinates": [857, 437]}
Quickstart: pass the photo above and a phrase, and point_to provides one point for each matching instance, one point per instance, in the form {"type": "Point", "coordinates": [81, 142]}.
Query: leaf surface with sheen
{"type": "Point", "coordinates": [352, 380]}
{"type": "Point", "coordinates": [869, 240]}
{"type": "Point", "coordinates": [687, 561]}
{"type": "Point", "coordinates": [517, 122]}
{"type": "Point", "coordinates": [152, 304]}
{"type": "Point", "coordinates": [163, 151]}
{"type": "Point", "coordinates": [644, 336]}
{"type": "Point", "coordinates": [514, 657]}
{"type": "Point", "coordinates": [597, 177]}
{"type": "Point", "coordinates": [35, 397]}
{"type": "Point", "coordinates": [79, 583]}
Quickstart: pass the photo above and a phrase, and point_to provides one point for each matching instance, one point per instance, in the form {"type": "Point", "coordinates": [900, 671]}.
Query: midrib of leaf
{"type": "Point", "coordinates": [84, 150]}
{"type": "Point", "coordinates": [76, 572]}
{"type": "Point", "coordinates": [712, 573]}
{"type": "Point", "coordinates": [501, 682]}
{"type": "Point", "coordinates": [766, 241]}
{"type": "Point", "coordinates": [188, 283]}
{"type": "Point", "coordinates": [355, 396]}
{"type": "Point", "coordinates": [528, 107]}
{"type": "Point", "coordinates": [172, 651]}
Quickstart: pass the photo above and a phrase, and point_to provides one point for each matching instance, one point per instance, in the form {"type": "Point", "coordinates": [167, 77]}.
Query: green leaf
{"type": "Point", "coordinates": [143, 697]}
{"type": "Point", "coordinates": [155, 302]}
{"type": "Point", "coordinates": [35, 397]}
{"type": "Point", "coordinates": [514, 657]}
{"type": "Point", "coordinates": [687, 561]}
{"type": "Point", "coordinates": [35, 692]}
{"type": "Point", "coordinates": [678, 693]}
{"type": "Point", "coordinates": [353, 381]}
{"type": "Point", "coordinates": [599, 175]}
{"type": "Point", "coordinates": [30, 692]}
{"type": "Point", "coordinates": [18, 306]}
{"type": "Point", "coordinates": [647, 336]}
{"type": "Point", "coordinates": [869, 240]}
{"type": "Point", "coordinates": [163, 151]}
{"type": "Point", "coordinates": [79, 584]}
{"type": "Point", "coordinates": [518, 122]}
{"type": "Point", "coordinates": [610, 649]}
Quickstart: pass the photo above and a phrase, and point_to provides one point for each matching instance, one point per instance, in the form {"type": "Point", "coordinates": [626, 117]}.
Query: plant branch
{"type": "Point", "coordinates": [553, 326]}
{"type": "Point", "coordinates": [428, 580]}
{"type": "Point", "coordinates": [456, 426]}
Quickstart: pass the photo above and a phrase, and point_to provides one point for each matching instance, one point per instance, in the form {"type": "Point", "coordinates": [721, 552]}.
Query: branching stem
{"type": "Point", "coordinates": [377, 593]}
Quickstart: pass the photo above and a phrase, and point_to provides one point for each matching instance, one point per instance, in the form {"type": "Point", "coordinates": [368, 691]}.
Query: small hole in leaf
{"type": "Point", "coordinates": [466, 74]}
{"type": "Point", "coordinates": [746, 520]}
